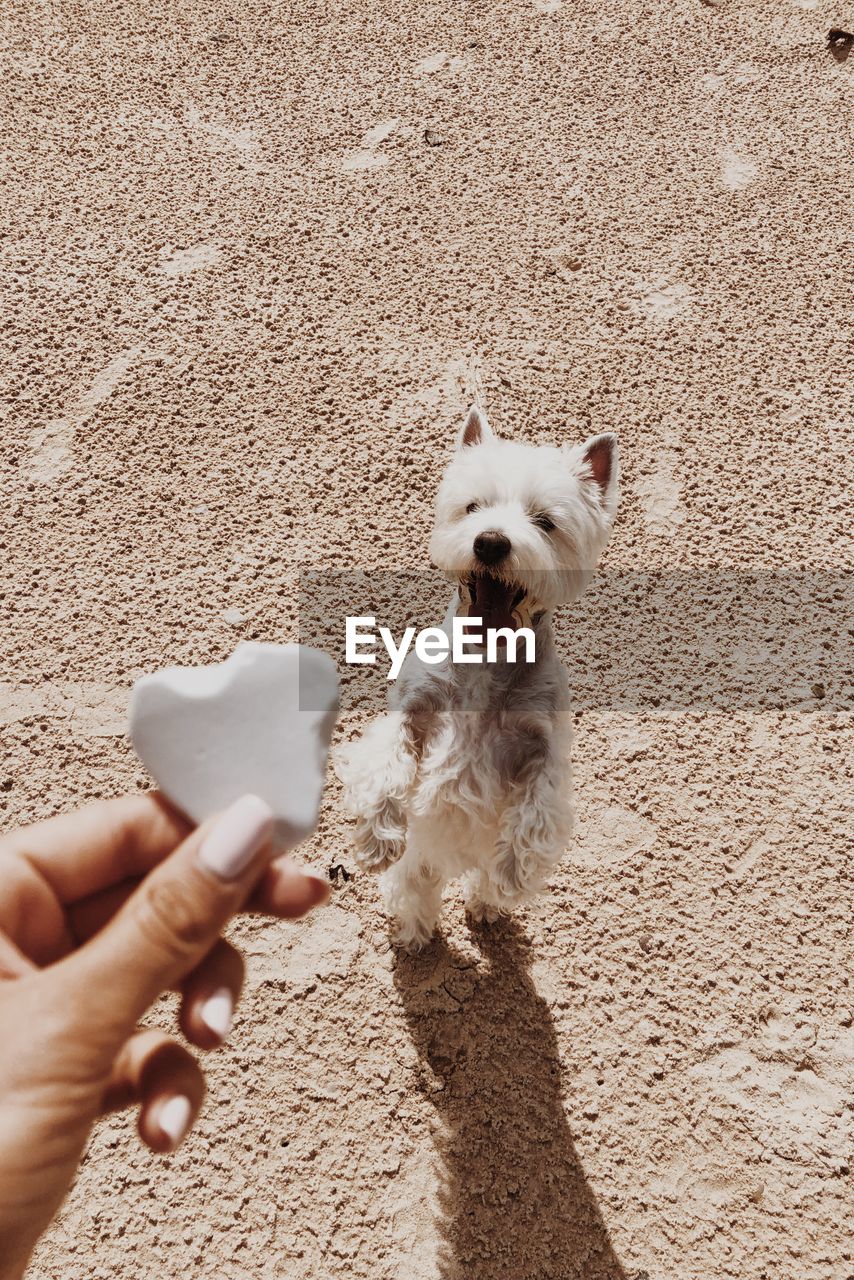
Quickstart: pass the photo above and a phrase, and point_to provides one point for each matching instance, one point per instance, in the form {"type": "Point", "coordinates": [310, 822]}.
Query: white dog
{"type": "Point", "coordinates": [468, 775]}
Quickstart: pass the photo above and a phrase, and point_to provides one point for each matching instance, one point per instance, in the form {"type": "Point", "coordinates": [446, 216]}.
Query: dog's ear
{"type": "Point", "coordinates": [597, 462]}
{"type": "Point", "coordinates": [475, 430]}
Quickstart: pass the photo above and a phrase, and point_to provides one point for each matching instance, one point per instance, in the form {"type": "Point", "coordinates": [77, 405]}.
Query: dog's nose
{"type": "Point", "coordinates": [491, 546]}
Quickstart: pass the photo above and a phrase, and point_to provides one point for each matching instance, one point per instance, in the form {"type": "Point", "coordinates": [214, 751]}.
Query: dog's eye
{"type": "Point", "coordinates": [543, 521]}
{"type": "Point", "coordinates": [471, 508]}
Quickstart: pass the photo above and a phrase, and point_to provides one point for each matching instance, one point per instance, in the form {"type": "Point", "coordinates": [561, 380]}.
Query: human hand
{"type": "Point", "coordinates": [101, 910]}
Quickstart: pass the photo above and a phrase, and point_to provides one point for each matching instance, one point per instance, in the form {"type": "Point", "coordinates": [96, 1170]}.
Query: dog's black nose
{"type": "Point", "coordinates": [491, 546]}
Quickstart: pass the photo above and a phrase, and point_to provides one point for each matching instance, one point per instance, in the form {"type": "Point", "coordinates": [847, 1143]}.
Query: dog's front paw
{"type": "Point", "coordinates": [376, 851]}
{"type": "Point", "coordinates": [514, 877]}
{"type": "Point", "coordinates": [508, 880]}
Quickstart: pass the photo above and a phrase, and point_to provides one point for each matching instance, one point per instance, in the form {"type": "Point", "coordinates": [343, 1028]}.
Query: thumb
{"type": "Point", "coordinates": [170, 922]}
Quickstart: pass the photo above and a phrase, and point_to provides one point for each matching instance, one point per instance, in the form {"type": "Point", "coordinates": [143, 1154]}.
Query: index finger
{"type": "Point", "coordinates": [100, 845]}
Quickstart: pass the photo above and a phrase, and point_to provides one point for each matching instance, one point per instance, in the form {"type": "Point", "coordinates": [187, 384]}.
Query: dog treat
{"type": "Point", "coordinates": [259, 722]}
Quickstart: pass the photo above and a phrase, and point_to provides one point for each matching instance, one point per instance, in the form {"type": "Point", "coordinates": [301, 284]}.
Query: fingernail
{"type": "Point", "coordinates": [217, 1012]}
{"type": "Point", "coordinates": [319, 889]}
{"type": "Point", "coordinates": [174, 1118]}
{"type": "Point", "coordinates": [237, 837]}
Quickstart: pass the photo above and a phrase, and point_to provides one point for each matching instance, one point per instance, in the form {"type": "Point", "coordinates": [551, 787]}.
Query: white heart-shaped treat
{"type": "Point", "coordinates": [259, 722]}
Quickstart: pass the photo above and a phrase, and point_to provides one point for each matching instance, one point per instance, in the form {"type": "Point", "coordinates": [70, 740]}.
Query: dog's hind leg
{"type": "Point", "coordinates": [412, 896]}
{"type": "Point", "coordinates": [377, 772]}
{"type": "Point", "coordinates": [476, 898]}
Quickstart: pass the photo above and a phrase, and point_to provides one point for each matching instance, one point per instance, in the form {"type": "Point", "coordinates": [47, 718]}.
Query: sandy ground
{"type": "Point", "coordinates": [255, 260]}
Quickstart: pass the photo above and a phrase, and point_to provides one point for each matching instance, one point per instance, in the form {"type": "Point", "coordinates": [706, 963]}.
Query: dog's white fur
{"type": "Point", "coordinates": [468, 774]}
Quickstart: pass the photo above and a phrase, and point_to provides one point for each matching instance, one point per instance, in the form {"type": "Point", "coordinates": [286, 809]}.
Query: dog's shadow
{"type": "Point", "coordinates": [514, 1201]}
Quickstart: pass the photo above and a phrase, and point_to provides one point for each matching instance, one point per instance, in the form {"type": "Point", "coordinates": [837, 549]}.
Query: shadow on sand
{"type": "Point", "coordinates": [514, 1200]}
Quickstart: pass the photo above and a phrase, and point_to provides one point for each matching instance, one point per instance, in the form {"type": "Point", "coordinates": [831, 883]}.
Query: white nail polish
{"type": "Point", "coordinates": [217, 1012]}
{"type": "Point", "coordinates": [236, 837]}
{"type": "Point", "coordinates": [174, 1118]}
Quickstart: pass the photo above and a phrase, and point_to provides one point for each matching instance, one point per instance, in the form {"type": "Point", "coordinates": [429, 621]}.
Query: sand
{"type": "Point", "coordinates": [256, 259]}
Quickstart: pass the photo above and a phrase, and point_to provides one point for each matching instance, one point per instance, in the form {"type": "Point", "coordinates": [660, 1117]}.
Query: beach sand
{"type": "Point", "coordinates": [256, 261]}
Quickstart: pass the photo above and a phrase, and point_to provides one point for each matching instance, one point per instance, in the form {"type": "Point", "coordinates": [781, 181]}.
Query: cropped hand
{"type": "Point", "coordinates": [101, 910]}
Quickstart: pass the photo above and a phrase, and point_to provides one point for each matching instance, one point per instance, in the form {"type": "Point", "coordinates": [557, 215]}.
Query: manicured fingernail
{"type": "Point", "coordinates": [238, 835]}
{"type": "Point", "coordinates": [319, 890]}
{"type": "Point", "coordinates": [217, 1012]}
{"type": "Point", "coordinates": [174, 1117]}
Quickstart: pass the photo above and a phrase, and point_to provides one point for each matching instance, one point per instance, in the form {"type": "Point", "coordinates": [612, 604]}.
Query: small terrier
{"type": "Point", "coordinates": [468, 774]}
